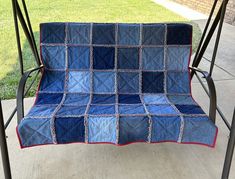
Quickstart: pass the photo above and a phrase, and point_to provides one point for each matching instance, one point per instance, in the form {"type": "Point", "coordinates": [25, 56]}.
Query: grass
{"type": "Point", "coordinates": [72, 11]}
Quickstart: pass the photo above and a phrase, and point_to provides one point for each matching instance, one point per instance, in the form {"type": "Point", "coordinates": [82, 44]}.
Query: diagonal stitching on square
{"type": "Point", "coordinates": [181, 99]}
{"type": "Point", "coordinates": [52, 81]}
{"type": "Point", "coordinates": [79, 81]}
{"type": "Point", "coordinates": [103, 99]}
{"type": "Point", "coordinates": [101, 109]}
{"type": "Point", "coordinates": [53, 32]}
{"type": "Point", "coordinates": [71, 111]}
{"type": "Point", "coordinates": [153, 34]}
{"type": "Point", "coordinates": [178, 82]}
{"type": "Point", "coordinates": [41, 111]}
{"type": "Point", "coordinates": [161, 109]}
{"type": "Point", "coordinates": [78, 33]}
{"type": "Point", "coordinates": [48, 98]}
{"type": "Point", "coordinates": [189, 109]}
{"type": "Point", "coordinates": [153, 58]}
{"type": "Point", "coordinates": [103, 82]}
{"type": "Point", "coordinates": [103, 57]}
{"type": "Point", "coordinates": [78, 57]}
{"type": "Point", "coordinates": [102, 129]}
{"type": "Point", "coordinates": [128, 82]}
{"type": "Point", "coordinates": [131, 109]}
{"type": "Point", "coordinates": [76, 99]}
{"type": "Point", "coordinates": [128, 58]}
{"type": "Point", "coordinates": [128, 98]}
{"type": "Point", "coordinates": [177, 58]}
{"type": "Point", "coordinates": [99, 30]}
{"type": "Point", "coordinates": [70, 129]}
{"type": "Point", "coordinates": [53, 57]}
{"type": "Point", "coordinates": [128, 34]}
{"type": "Point", "coordinates": [155, 99]}
{"type": "Point", "coordinates": [152, 82]}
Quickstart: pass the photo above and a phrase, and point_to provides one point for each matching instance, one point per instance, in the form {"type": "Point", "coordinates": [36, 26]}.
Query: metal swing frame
{"type": "Point", "coordinates": [207, 34]}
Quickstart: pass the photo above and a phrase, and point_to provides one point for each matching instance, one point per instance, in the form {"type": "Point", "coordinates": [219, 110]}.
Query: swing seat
{"type": "Point", "coordinates": [115, 83]}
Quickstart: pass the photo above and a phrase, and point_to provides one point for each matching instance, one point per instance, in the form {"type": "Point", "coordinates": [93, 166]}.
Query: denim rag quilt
{"type": "Point", "coordinates": [115, 83]}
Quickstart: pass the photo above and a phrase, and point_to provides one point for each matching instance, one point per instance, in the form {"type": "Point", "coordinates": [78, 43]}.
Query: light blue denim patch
{"type": "Point", "coordinates": [101, 109]}
{"type": "Point", "coordinates": [102, 129]}
{"type": "Point", "coordinates": [178, 82]}
{"type": "Point", "coordinates": [41, 111]}
{"type": "Point", "coordinates": [128, 34]}
{"type": "Point", "coordinates": [161, 109]}
{"type": "Point", "coordinates": [53, 57]}
{"type": "Point", "coordinates": [155, 99]}
{"type": "Point", "coordinates": [71, 111]}
{"type": "Point", "coordinates": [199, 130]}
{"type": "Point", "coordinates": [78, 57]}
{"type": "Point", "coordinates": [165, 128]}
{"type": "Point", "coordinates": [104, 82]}
{"type": "Point", "coordinates": [78, 33]}
{"type": "Point", "coordinates": [178, 58]}
{"type": "Point", "coordinates": [131, 109]}
{"type": "Point", "coordinates": [153, 58]}
{"type": "Point", "coordinates": [35, 131]}
{"type": "Point", "coordinates": [79, 81]}
{"type": "Point", "coordinates": [181, 99]}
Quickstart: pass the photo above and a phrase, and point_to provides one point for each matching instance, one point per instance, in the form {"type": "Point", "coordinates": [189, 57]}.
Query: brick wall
{"type": "Point", "coordinates": [204, 6]}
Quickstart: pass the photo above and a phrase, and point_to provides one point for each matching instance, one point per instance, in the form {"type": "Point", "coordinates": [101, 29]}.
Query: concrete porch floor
{"type": "Point", "coordinates": [137, 161]}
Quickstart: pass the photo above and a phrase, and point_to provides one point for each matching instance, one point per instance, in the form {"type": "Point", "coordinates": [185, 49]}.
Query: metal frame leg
{"type": "Point", "coordinates": [3, 144]}
{"type": "Point", "coordinates": [230, 150]}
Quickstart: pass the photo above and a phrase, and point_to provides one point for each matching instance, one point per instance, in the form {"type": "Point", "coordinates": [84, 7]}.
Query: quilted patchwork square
{"type": "Point", "coordinates": [181, 99]}
{"type": "Point", "coordinates": [199, 130]}
{"type": "Point", "coordinates": [101, 109]}
{"type": "Point", "coordinates": [104, 82]}
{"type": "Point", "coordinates": [53, 57]}
{"type": "Point", "coordinates": [41, 111]}
{"type": "Point", "coordinates": [52, 32]}
{"type": "Point", "coordinates": [152, 82]}
{"type": "Point", "coordinates": [102, 129]}
{"type": "Point", "coordinates": [165, 128]}
{"type": "Point", "coordinates": [103, 57]}
{"type": "Point", "coordinates": [103, 99]}
{"type": "Point", "coordinates": [99, 30]}
{"type": "Point", "coordinates": [153, 58]}
{"type": "Point", "coordinates": [128, 34]}
{"type": "Point", "coordinates": [78, 33]}
{"type": "Point", "coordinates": [76, 99]}
{"type": "Point", "coordinates": [178, 82]}
{"type": "Point", "coordinates": [49, 98]}
{"type": "Point", "coordinates": [161, 109]}
{"type": "Point", "coordinates": [52, 81]}
{"type": "Point", "coordinates": [35, 131]}
{"type": "Point", "coordinates": [71, 111]}
{"type": "Point", "coordinates": [133, 129]}
{"type": "Point", "coordinates": [70, 129]}
{"type": "Point", "coordinates": [155, 99]}
{"type": "Point", "coordinates": [128, 58]}
{"type": "Point", "coordinates": [128, 99]}
{"type": "Point", "coordinates": [128, 82]}
{"type": "Point", "coordinates": [153, 34]}
{"type": "Point", "coordinates": [78, 57]}
{"type": "Point", "coordinates": [190, 109]}
{"type": "Point", "coordinates": [79, 81]}
{"type": "Point", "coordinates": [178, 58]}
{"type": "Point", "coordinates": [131, 109]}
{"type": "Point", "coordinates": [180, 34]}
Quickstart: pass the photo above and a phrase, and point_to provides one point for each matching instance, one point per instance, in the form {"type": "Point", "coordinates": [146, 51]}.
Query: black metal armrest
{"type": "Point", "coordinates": [212, 92]}
{"type": "Point", "coordinates": [21, 93]}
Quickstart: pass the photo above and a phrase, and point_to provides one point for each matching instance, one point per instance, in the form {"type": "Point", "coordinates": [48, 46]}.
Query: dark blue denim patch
{"type": "Point", "coordinates": [128, 82]}
{"type": "Point", "coordinates": [128, 58]}
{"type": "Point", "coordinates": [190, 109]}
{"type": "Point", "coordinates": [78, 57]}
{"type": "Point", "coordinates": [179, 34]}
{"type": "Point", "coordinates": [128, 99]}
{"type": "Point", "coordinates": [153, 34]}
{"type": "Point", "coordinates": [76, 99]}
{"type": "Point", "coordinates": [101, 109]}
{"type": "Point", "coordinates": [128, 34]}
{"type": "Point", "coordinates": [103, 34]}
{"type": "Point", "coordinates": [152, 82]}
{"type": "Point", "coordinates": [66, 111]}
{"type": "Point", "coordinates": [103, 99]}
{"type": "Point", "coordinates": [103, 57]}
{"type": "Point", "coordinates": [133, 129]}
{"type": "Point", "coordinates": [52, 32]}
{"type": "Point", "coordinates": [49, 98]}
{"type": "Point", "coordinates": [78, 33]}
{"type": "Point", "coordinates": [70, 129]}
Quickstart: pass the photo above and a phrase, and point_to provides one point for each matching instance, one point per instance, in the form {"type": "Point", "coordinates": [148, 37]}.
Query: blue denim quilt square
{"type": "Point", "coordinates": [41, 111]}
{"type": "Point", "coordinates": [128, 82]}
{"type": "Point", "coordinates": [104, 82]}
{"type": "Point", "coordinates": [52, 32]}
{"type": "Point", "coordinates": [178, 82]}
{"type": "Point", "coordinates": [76, 99]}
{"type": "Point", "coordinates": [153, 58]}
{"type": "Point", "coordinates": [71, 111]}
{"type": "Point", "coordinates": [79, 81]}
{"type": "Point", "coordinates": [131, 109]}
{"type": "Point", "coordinates": [78, 57]}
{"type": "Point", "coordinates": [128, 34]}
{"type": "Point", "coordinates": [129, 98]}
{"type": "Point", "coordinates": [99, 30]}
{"type": "Point", "coordinates": [190, 109]}
{"type": "Point", "coordinates": [161, 109]}
{"type": "Point", "coordinates": [155, 99]}
{"type": "Point", "coordinates": [103, 57]}
{"type": "Point", "coordinates": [101, 109]}
{"type": "Point", "coordinates": [49, 98]}
{"type": "Point", "coordinates": [78, 33]}
{"type": "Point", "coordinates": [103, 99]}
{"type": "Point", "coordinates": [128, 58]}
{"type": "Point", "coordinates": [153, 34]}
{"type": "Point", "coordinates": [152, 82]}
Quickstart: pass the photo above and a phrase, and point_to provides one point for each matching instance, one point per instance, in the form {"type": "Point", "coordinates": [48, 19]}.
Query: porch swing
{"type": "Point", "coordinates": [116, 83]}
